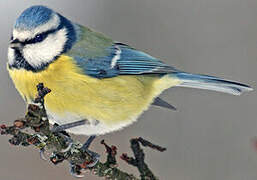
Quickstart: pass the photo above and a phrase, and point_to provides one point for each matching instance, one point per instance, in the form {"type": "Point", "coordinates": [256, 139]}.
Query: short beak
{"type": "Point", "coordinates": [16, 44]}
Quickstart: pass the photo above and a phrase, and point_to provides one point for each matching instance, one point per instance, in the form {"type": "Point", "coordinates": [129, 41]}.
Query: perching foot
{"type": "Point", "coordinates": [69, 142]}
{"type": "Point", "coordinates": [75, 171]}
{"type": "Point", "coordinates": [95, 157]}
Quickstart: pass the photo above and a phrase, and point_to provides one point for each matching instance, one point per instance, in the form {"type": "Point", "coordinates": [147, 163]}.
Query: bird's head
{"type": "Point", "coordinates": [39, 36]}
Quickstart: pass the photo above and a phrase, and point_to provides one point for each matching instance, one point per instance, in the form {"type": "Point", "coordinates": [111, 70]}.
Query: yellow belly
{"type": "Point", "coordinates": [111, 100]}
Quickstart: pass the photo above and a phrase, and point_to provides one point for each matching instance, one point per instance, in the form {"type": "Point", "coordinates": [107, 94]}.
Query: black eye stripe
{"type": "Point", "coordinates": [40, 37]}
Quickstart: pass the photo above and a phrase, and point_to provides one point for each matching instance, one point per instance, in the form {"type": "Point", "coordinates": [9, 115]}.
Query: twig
{"type": "Point", "coordinates": [139, 160]}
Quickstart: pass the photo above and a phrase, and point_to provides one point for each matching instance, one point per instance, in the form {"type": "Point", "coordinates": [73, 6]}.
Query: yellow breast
{"type": "Point", "coordinates": [109, 100]}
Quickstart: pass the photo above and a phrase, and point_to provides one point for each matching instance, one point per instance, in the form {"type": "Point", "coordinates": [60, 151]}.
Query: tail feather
{"type": "Point", "coordinates": [211, 83]}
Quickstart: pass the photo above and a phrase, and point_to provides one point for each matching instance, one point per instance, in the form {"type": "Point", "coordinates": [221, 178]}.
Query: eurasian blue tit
{"type": "Point", "coordinates": [92, 77]}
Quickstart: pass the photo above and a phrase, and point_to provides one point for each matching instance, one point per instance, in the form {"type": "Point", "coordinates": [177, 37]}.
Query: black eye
{"type": "Point", "coordinates": [39, 38]}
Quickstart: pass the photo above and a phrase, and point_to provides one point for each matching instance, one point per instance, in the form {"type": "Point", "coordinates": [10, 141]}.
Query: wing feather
{"type": "Point", "coordinates": [105, 61]}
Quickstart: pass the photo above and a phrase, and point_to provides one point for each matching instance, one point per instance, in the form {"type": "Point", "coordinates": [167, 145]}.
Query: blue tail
{"type": "Point", "coordinates": [211, 83]}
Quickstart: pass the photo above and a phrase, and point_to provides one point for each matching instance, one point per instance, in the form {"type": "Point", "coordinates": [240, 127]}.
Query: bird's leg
{"type": "Point", "coordinates": [88, 143]}
{"type": "Point", "coordinates": [59, 128]}
{"type": "Point", "coordinates": [95, 157]}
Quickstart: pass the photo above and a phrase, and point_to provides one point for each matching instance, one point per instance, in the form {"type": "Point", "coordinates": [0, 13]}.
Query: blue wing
{"type": "Point", "coordinates": [122, 60]}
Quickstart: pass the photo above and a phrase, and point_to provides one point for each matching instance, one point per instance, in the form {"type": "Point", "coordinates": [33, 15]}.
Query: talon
{"type": "Point", "coordinates": [90, 165]}
{"type": "Point", "coordinates": [95, 159]}
{"type": "Point", "coordinates": [68, 140]}
{"type": "Point", "coordinates": [68, 147]}
{"type": "Point", "coordinates": [42, 154]}
{"type": "Point", "coordinates": [75, 172]}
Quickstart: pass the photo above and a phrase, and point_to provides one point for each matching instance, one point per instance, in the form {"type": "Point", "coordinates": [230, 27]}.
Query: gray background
{"type": "Point", "coordinates": [209, 137]}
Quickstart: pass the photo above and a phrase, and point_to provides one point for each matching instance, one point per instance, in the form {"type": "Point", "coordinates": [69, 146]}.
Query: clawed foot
{"type": "Point", "coordinates": [75, 171]}
{"type": "Point", "coordinates": [95, 157]}
{"type": "Point", "coordinates": [69, 142]}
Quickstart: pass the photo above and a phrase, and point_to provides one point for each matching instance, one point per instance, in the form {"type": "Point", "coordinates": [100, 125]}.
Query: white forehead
{"type": "Point", "coordinates": [22, 35]}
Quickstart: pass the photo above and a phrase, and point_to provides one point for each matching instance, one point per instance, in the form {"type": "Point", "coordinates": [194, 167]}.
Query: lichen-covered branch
{"type": "Point", "coordinates": [63, 148]}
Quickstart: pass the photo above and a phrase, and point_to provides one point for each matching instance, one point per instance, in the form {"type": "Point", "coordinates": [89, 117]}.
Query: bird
{"type": "Point", "coordinates": [92, 77]}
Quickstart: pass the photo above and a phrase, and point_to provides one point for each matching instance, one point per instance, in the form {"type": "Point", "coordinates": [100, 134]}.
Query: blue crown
{"type": "Point", "coordinates": [33, 17]}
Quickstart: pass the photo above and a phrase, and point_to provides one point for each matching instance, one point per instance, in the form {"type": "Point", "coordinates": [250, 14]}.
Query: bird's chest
{"type": "Point", "coordinates": [54, 75]}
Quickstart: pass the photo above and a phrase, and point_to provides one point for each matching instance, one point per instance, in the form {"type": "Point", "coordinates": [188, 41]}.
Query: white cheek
{"type": "Point", "coordinates": [11, 56]}
{"type": "Point", "coordinates": [45, 51]}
